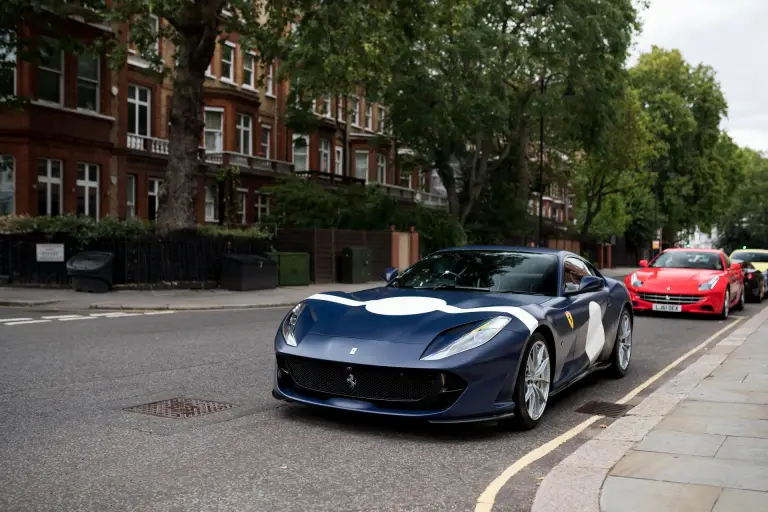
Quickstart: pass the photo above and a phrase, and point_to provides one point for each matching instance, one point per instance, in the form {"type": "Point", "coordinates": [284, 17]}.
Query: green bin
{"type": "Point", "coordinates": [356, 265]}
{"type": "Point", "coordinates": [292, 268]}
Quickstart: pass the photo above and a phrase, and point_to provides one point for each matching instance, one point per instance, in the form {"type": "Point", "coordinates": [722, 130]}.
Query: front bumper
{"type": "Point", "coordinates": [705, 303]}
{"type": "Point", "coordinates": [463, 388]}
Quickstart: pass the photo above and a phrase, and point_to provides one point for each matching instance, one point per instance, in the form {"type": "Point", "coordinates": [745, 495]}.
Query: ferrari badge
{"type": "Point", "coordinates": [569, 316]}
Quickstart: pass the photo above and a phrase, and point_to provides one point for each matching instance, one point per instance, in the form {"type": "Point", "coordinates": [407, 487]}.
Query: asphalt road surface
{"type": "Point", "coordinates": [67, 442]}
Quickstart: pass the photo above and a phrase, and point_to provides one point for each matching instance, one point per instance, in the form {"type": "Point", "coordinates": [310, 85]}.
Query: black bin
{"type": "Point", "coordinates": [91, 271]}
{"type": "Point", "coordinates": [244, 272]}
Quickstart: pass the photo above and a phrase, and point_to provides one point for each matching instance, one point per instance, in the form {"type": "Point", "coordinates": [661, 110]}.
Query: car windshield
{"type": "Point", "coordinates": [753, 256]}
{"type": "Point", "coordinates": [688, 259]}
{"type": "Point", "coordinates": [483, 271]}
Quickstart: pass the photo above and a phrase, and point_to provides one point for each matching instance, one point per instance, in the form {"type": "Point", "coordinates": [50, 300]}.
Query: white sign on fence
{"type": "Point", "coordinates": [50, 253]}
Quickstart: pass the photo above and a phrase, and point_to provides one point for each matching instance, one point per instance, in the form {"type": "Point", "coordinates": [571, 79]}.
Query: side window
{"type": "Point", "coordinates": [573, 273]}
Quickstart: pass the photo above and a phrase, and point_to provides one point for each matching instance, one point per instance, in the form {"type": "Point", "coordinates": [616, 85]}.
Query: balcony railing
{"type": "Point", "coordinates": [257, 163]}
{"type": "Point", "coordinates": [432, 200]}
{"type": "Point", "coordinates": [398, 192]}
{"type": "Point", "coordinates": [148, 144]}
{"type": "Point", "coordinates": [328, 178]}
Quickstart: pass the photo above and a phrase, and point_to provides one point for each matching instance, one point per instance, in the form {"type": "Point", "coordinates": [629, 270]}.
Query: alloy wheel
{"type": "Point", "coordinates": [625, 341]}
{"type": "Point", "coordinates": [726, 303]}
{"type": "Point", "coordinates": [537, 380]}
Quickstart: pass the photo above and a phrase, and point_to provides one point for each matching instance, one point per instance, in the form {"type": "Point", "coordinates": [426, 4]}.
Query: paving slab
{"type": "Point", "coordinates": [734, 500]}
{"type": "Point", "coordinates": [629, 428]}
{"type": "Point", "coordinates": [661, 404]}
{"type": "Point", "coordinates": [635, 495]}
{"type": "Point", "coordinates": [687, 469]}
{"type": "Point", "coordinates": [723, 426]}
{"type": "Point", "coordinates": [683, 443]}
{"type": "Point", "coordinates": [570, 488]}
{"type": "Point", "coordinates": [728, 410]}
{"type": "Point", "coordinates": [598, 454]}
{"type": "Point", "coordinates": [744, 448]}
{"type": "Point", "coordinates": [730, 392]}
{"type": "Point", "coordinates": [760, 379]}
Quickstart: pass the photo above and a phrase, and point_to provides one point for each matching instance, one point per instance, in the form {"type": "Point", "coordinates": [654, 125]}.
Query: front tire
{"type": "Point", "coordinates": [534, 381]}
{"type": "Point", "coordinates": [622, 348]}
{"type": "Point", "coordinates": [726, 304]}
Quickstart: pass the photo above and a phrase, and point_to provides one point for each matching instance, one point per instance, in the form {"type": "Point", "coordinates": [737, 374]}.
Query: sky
{"type": "Point", "coordinates": [730, 36]}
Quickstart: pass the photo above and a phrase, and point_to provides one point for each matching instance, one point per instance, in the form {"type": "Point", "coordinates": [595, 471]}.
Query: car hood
{"type": "Point", "coordinates": [414, 316]}
{"type": "Point", "coordinates": [678, 279]}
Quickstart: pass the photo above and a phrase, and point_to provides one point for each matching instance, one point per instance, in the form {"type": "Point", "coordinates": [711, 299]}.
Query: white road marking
{"type": "Point", "coordinates": [60, 317]}
{"type": "Point", "coordinates": [488, 497]}
{"type": "Point", "coordinates": [28, 322]}
{"type": "Point", "coordinates": [159, 312]}
{"type": "Point", "coordinates": [77, 318]}
{"type": "Point", "coordinates": [14, 319]}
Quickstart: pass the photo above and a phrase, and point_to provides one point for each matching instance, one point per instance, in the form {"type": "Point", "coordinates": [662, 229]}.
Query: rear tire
{"type": "Point", "coordinates": [621, 357]}
{"type": "Point", "coordinates": [529, 394]}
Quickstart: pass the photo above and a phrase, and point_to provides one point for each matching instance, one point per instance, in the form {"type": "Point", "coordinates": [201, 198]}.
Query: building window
{"type": "Point", "coordinates": [356, 111]}
{"type": "Point", "coordinates": [325, 155]}
{"type": "Point", "coordinates": [214, 130]}
{"type": "Point", "coordinates": [327, 106]}
{"type": "Point", "coordinates": [382, 117]}
{"type": "Point", "coordinates": [138, 110]}
{"type": "Point", "coordinates": [211, 203]}
{"type": "Point", "coordinates": [130, 196]}
{"type": "Point", "coordinates": [269, 86]}
{"type": "Point", "coordinates": [153, 192]}
{"type": "Point", "coordinates": [261, 206]}
{"type": "Point", "coordinates": [242, 201]}
{"type": "Point", "coordinates": [244, 134]}
{"type": "Point", "coordinates": [156, 31]}
{"type": "Point", "coordinates": [361, 165]}
{"type": "Point", "coordinates": [228, 62]}
{"type": "Point", "coordinates": [249, 77]}
{"type": "Point", "coordinates": [339, 163]}
{"type": "Point", "coordinates": [381, 168]}
{"type": "Point", "coordinates": [88, 69]}
{"type": "Point", "coordinates": [50, 75]}
{"type": "Point", "coordinates": [368, 116]}
{"type": "Point", "coordinates": [266, 140]}
{"type": "Point", "coordinates": [88, 190]}
{"type": "Point", "coordinates": [49, 187]}
{"type": "Point", "coordinates": [300, 153]}
{"type": "Point", "coordinates": [7, 68]}
{"type": "Point", "coordinates": [7, 165]}
{"type": "Point", "coordinates": [340, 109]}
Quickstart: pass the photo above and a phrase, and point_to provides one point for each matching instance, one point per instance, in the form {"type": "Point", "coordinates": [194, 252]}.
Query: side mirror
{"type": "Point", "coordinates": [390, 274]}
{"type": "Point", "coordinates": [591, 284]}
{"type": "Point", "coordinates": [735, 266]}
{"type": "Point", "coordinates": [643, 263]}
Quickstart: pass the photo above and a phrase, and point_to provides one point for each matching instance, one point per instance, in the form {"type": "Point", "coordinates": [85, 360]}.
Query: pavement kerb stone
{"type": "Point", "coordinates": [575, 484]}
{"type": "Point", "coordinates": [27, 303]}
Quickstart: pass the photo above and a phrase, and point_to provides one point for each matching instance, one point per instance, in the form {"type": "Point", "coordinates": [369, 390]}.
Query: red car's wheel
{"type": "Point", "coordinates": [726, 304]}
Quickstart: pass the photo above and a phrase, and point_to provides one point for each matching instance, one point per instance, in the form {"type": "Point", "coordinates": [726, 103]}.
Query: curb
{"type": "Point", "coordinates": [187, 307]}
{"type": "Point", "coordinates": [575, 484]}
{"type": "Point", "coordinates": [27, 303]}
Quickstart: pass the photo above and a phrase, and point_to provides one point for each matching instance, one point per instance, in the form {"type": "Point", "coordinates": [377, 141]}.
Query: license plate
{"type": "Point", "coordinates": [669, 308]}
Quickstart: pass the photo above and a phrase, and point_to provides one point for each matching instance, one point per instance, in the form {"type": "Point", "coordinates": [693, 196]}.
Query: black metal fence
{"type": "Point", "coordinates": [149, 261]}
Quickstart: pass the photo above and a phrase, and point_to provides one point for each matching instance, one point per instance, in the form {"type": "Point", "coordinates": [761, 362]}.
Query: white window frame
{"type": "Point", "coordinates": [339, 161]}
{"type": "Point", "coordinates": [136, 104]}
{"type": "Point", "coordinates": [268, 152]}
{"type": "Point", "coordinates": [381, 168]}
{"type": "Point", "coordinates": [382, 119]}
{"type": "Point", "coordinates": [212, 215]}
{"type": "Point", "coordinates": [368, 116]}
{"type": "Point", "coordinates": [157, 32]}
{"type": "Point", "coordinates": [87, 184]}
{"type": "Point", "coordinates": [325, 155]}
{"type": "Point", "coordinates": [244, 133]}
{"type": "Point", "coordinates": [242, 196]}
{"type": "Point", "coordinates": [340, 110]}
{"type": "Point", "coordinates": [356, 112]}
{"type": "Point", "coordinates": [9, 163]}
{"type": "Point", "coordinates": [327, 112]}
{"type": "Point", "coordinates": [47, 181]}
{"type": "Point", "coordinates": [59, 72]}
{"type": "Point", "coordinates": [11, 57]}
{"type": "Point", "coordinates": [296, 137]}
{"type": "Point", "coordinates": [153, 193]}
{"type": "Point", "coordinates": [367, 163]}
{"type": "Point", "coordinates": [220, 140]}
{"type": "Point", "coordinates": [251, 84]}
{"type": "Point", "coordinates": [260, 201]}
{"type": "Point", "coordinates": [231, 78]}
{"type": "Point", "coordinates": [269, 80]}
{"type": "Point", "coordinates": [130, 199]}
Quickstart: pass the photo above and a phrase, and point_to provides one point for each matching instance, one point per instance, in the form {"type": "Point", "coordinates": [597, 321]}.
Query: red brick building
{"type": "Point", "coordinates": [95, 142]}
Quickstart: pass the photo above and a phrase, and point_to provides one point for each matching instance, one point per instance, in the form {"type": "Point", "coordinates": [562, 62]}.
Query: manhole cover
{"type": "Point", "coordinates": [180, 408]}
{"type": "Point", "coordinates": [611, 409]}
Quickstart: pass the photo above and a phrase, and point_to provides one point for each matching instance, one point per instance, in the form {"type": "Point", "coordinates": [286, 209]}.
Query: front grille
{"type": "Point", "coordinates": [662, 298]}
{"type": "Point", "coordinates": [375, 383]}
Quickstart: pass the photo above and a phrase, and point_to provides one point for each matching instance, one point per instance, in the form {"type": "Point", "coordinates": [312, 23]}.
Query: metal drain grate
{"type": "Point", "coordinates": [611, 409]}
{"type": "Point", "coordinates": [180, 408]}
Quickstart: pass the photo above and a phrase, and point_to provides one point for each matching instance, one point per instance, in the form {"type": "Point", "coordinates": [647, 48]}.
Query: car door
{"type": "Point", "coordinates": [586, 311]}
{"type": "Point", "coordinates": [735, 278]}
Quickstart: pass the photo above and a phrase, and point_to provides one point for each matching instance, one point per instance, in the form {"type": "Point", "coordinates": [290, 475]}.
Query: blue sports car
{"type": "Point", "coordinates": [465, 334]}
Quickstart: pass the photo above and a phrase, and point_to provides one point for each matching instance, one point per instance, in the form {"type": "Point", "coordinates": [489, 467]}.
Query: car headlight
{"type": "Point", "coordinates": [289, 324]}
{"type": "Point", "coordinates": [635, 281]}
{"type": "Point", "coordinates": [709, 284]}
{"type": "Point", "coordinates": [478, 336]}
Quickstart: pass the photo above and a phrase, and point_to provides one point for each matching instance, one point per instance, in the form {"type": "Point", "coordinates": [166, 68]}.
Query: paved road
{"type": "Point", "coordinates": [67, 444]}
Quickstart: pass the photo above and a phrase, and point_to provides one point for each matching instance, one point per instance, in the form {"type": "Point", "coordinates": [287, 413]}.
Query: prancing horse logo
{"type": "Point", "coordinates": [351, 381]}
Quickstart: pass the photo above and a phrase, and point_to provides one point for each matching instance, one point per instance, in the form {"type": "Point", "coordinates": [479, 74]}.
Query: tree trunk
{"type": "Point", "coordinates": [179, 195]}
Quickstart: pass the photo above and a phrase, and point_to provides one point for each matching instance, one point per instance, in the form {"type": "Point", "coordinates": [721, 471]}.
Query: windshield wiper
{"type": "Point", "coordinates": [451, 287]}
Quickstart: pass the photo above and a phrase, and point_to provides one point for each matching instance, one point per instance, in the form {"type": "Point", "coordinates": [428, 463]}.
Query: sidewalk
{"type": "Point", "coordinates": [697, 444]}
{"type": "Point", "coordinates": [42, 298]}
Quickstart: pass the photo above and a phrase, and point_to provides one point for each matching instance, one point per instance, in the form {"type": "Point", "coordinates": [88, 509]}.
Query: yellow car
{"type": "Point", "coordinates": [754, 259]}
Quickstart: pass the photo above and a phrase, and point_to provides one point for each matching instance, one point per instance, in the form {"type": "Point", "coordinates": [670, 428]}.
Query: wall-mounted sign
{"type": "Point", "coordinates": [656, 244]}
{"type": "Point", "coordinates": [50, 253]}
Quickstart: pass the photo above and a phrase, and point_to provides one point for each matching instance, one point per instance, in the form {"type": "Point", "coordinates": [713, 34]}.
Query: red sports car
{"type": "Point", "coordinates": [687, 281]}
